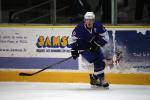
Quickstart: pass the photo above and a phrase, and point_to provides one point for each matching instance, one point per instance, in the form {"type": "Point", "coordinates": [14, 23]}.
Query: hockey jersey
{"type": "Point", "coordinates": [83, 36]}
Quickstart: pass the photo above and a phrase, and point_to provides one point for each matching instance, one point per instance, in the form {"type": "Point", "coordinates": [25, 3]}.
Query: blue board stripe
{"type": "Point", "coordinates": [36, 63]}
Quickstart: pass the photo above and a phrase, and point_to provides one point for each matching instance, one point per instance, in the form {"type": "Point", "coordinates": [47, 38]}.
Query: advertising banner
{"type": "Point", "coordinates": [34, 48]}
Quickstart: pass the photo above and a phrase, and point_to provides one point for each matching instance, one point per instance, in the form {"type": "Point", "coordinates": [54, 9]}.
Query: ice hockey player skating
{"type": "Point", "coordinates": [91, 36]}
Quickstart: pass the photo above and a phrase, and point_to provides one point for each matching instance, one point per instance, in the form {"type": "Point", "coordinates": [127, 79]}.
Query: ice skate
{"type": "Point", "coordinates": [94, 81]}
{"type": "Point", "coordinates": [104, 83]}
{"type": "Point", "coordinates": [98, 82]}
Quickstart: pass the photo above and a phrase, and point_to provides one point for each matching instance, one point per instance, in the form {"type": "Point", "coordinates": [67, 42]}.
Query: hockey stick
{"type": "Point", "coordinates": [30, 74]}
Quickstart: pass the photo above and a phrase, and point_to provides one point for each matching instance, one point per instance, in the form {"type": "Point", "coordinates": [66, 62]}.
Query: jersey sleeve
{"type": "Point", "coordinates": [73, 38]}
{"type": "Point", "coordinates": [101, 36]}
{"type": "Point", "coordinates": [103, 33]}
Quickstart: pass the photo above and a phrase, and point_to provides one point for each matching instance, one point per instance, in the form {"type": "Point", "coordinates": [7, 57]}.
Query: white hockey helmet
{"type": "Point", "coordinates": [89, 15]}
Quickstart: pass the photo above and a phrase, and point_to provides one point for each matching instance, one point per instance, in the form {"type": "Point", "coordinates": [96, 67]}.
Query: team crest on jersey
{"type": "Point", "coordinates": [73, 33]}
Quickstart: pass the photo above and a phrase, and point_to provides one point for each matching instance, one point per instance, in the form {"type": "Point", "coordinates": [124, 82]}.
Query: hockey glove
{"type": "Point", "coordinates": [74, 51]}
{"type": "Point", "coordinates": [94, 46]}
{"type": "Point", "coordinates": [101, 42]}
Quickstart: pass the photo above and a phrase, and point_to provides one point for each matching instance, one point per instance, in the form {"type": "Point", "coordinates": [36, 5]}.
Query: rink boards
{"type": "Point", "coordinates": [75, 77]}
{"type": "Point", "coordinates": [30, 48]}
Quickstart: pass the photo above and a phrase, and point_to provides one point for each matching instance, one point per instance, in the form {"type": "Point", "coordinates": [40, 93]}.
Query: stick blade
{"type": "Point", "coordinates": [25, 74]}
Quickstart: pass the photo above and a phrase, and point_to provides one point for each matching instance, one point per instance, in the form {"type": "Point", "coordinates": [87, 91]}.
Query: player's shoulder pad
{"type": "Point", "coordinates": [79, 27]}
{"type": "Point", "coordinates": [99, 26]}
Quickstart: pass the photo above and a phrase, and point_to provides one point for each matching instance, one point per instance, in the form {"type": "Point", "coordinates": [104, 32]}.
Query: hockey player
{"type": "Point", "coordinates": [91, 36]}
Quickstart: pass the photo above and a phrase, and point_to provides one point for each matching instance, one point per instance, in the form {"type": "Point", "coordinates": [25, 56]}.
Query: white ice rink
{"type": "Point", "coordinates": [66, 91]}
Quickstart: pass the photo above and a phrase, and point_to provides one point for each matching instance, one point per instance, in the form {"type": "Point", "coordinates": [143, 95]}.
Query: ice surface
{"type": "Point", "coordinates": [68, 91]}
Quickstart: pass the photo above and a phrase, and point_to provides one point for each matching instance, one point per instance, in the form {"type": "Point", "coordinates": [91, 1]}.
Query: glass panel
{"type": "Point", "coordinates": [43, 11]}
{"type": "Point", "coordinates": [133, 11]}
{"type": "Point", "coordinates": [27, 11]}
{"type": "Point", "coordinates": [72, 11]}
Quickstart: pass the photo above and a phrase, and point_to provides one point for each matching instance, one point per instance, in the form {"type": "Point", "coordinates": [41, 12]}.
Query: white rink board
{"type": "Point", "coordinates": [10, 39]}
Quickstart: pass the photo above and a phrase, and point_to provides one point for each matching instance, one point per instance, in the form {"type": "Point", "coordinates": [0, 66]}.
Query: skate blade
{"type": "Point", "coordinates": [99, 87]}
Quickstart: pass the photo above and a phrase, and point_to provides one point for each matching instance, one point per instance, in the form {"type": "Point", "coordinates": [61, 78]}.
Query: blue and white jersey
{"type": "Point", "coordinates": [83, 36]}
